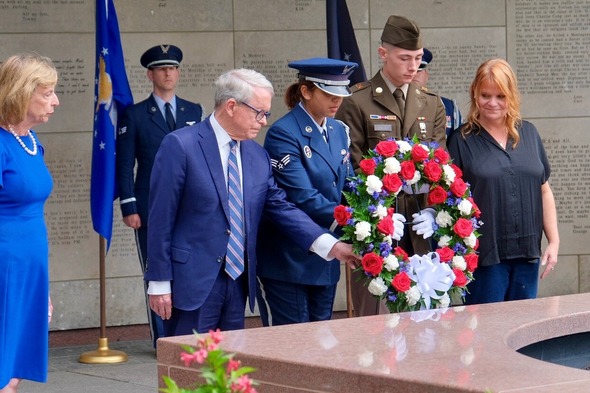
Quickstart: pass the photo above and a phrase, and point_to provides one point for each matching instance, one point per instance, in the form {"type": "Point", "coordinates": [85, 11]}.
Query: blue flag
{"type": "Point", "coordinates": [112, 95]}
{"type": "Point", "coordinates": [342, 43]}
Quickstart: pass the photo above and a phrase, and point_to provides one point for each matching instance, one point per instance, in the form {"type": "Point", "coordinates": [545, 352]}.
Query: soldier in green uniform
{"type": "Point", "coordinates": [391, 105]}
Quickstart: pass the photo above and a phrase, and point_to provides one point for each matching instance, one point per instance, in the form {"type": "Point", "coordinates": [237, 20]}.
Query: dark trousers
{"type": "Point", "coordinates": [511, 279]}
{"type": "Point", "coordinates": [223, 309]}
{"type": "Point", "coordinates": [294, 303]}
{"type": "Point", "coordinates": [154, 320]}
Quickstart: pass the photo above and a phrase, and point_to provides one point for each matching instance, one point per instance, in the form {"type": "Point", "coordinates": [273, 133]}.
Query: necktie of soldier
{"type": "Point", "coordinates": [325, 133]}
{"type": "Point", "coordinates": [234, 258]}
{"type": "Point", "coordinates": [401, 102]}
{"type": "Point", "coordinates": [170, 117]}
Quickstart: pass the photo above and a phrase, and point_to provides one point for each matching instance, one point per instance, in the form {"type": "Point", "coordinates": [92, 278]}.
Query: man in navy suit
{"type": "Point", "coordinates": [189, 212]}
{"type": "Point", "coordinates": [142, 129]}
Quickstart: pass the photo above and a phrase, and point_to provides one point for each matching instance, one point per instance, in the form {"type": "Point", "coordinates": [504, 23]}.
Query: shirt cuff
{"type": "Point", "coordinates": [159, 288]}
{"type": "Point", "coordinates": [323, 245]}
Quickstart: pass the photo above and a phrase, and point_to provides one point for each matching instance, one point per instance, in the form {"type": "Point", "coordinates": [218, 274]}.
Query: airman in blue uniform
{"type": "Point", "coordinates": [141, 131]}
{"type": "Point", "coordinates": [309, 152]}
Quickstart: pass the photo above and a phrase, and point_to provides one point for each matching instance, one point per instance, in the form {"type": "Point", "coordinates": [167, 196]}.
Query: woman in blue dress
{"type": "Point", "coordinates": [27, 98]}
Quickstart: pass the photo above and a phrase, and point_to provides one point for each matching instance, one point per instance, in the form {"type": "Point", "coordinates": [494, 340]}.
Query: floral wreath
{"type": "Point", "coordinates": [416, 282]}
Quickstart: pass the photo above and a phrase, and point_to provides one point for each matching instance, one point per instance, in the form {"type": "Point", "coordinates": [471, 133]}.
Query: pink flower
{"type": "Point", "coordinates": [233, 365]}
{"type": "Point", "coordinates": [243, 385]}
{"type": "Point", "coordinates": [216, 336]}
{"type": "Point", "coordinates": [198, 356]}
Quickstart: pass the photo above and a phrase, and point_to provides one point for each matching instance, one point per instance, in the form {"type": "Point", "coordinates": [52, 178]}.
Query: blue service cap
{"type": "Point", "coordinates": [426, 59]}
{"type": "Point", "coordinates": [329, 75]}
{"type": "Point", "coordinates": [161, 56]}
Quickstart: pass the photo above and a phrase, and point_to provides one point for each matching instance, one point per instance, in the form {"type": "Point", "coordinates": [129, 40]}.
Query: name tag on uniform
{"type": "Point", "coordinates": [383, 127]}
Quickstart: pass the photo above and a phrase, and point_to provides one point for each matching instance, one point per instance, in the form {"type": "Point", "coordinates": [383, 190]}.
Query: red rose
{"type": "Point", "coordinates": [372, 264]}
{"type": "Point", "coordinates": [385, 226]}
{"type": "Point", "coordinates": [472, 260]}
{"type": "Point", "coordinates": [368, 166]}
{"type": "Point", "coordinates": [458, 171]}
{"type": "Point", "coordinates": [477, 212]}
{"type": "Point", "coordinates": [433, 171]}
{"type": "Point", "coordinates": [392, 183]}
{"type": "Point", "coordinates": [401, 282]}
{"type": "Point", "coordinates": [463, 227]}
{"type": "Point", "coordinates": [342, 215]}
{"type": "Point", "coordinates": [458, 187]}
{"type": "Point", "coordinates": [386, 148]}
{"type": "Point", "coordinates": [445, 254]}
{"type": "Point", "coordinates": [418, 153]}
{"type": "Point", "coordinates": [390, 211]}
{"type": "Point", "coordinates": [476, 244]}
{"type": "Point", "coordinates": [460, 278]}
{"type": "Point", "coordinates": [441, 156]}
{"type": "Point", "coordinates": [407, 170]}
{"type": "Point", "coordinates": [437, 195]}
{"type": "Point", "coordinates": [400, 254]}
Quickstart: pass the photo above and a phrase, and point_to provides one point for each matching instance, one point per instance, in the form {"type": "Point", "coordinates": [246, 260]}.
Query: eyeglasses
{"type": "Point", "coordinates": [260, 113]}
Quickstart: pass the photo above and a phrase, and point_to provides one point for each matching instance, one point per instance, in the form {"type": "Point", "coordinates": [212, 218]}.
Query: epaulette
{"type": "Point", "coordinates": [360, 86]}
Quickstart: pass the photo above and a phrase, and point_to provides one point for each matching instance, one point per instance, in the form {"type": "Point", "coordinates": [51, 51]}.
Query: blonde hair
{"type": "Point", "coordinates": [499, 73]}
{"type": "Point", "coordinates": [20, 75]}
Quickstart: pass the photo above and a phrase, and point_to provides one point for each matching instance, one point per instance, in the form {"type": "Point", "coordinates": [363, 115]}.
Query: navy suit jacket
{"type": "Point", "coordinates": [139, 136]}
{"type": "Point", "coordinates": [188, 227]}
{"type": "Point", "coordinates": [313, 174]}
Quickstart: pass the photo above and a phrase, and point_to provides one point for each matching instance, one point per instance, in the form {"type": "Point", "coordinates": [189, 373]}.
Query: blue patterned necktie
{"type": "Point", "coordinates": [170, 117]}
{"type": "Point", "coordinates": [234, 259]}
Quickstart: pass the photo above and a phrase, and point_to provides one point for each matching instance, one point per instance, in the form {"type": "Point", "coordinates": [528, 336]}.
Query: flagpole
{"type": "Point", "coordinates": [103, 355]}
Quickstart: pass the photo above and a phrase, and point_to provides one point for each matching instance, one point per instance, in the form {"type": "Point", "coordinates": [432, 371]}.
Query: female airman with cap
{"type": "Point", "coordinates": [310, 158]}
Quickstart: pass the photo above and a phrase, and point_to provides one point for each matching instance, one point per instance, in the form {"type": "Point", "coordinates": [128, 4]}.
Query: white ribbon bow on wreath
{"type": "Point", "coordinates": [430, 276]}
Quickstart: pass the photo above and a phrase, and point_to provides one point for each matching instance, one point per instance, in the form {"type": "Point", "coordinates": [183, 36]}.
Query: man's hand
{"type": "Point", "coordinates": [162, 305]}
{"type": "Point", "coordinates": [132, 221]}
{"type": "Point", "coordinates": [423, 222]}
{"type": "Point", "coordinates": [343, 252]}
{"type": "Point", "coordinates": [398, 226]}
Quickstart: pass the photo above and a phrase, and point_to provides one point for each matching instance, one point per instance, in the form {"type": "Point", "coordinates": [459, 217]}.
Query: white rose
{"type": "Point", "coordinates": [390, 262]}
{"type": "Point", "coordinates": [380, 212]}
{"type": "Point", "coordinates": [415, 179]}
{"type": "Point", "coordinates": [444, 241]}
{"type": "Point", "coordinates": [444, 301]}
{"type": "Point", "coordinates": [374, 184]}
{"type": "Point", "coordinates": [387, 239]}
{"type": "Point", "coordinates": [404, 146]}
{"type": "Point", "coordinates": [377, 286]}
{"type": "Point", "coordinates": [459, 262]}
{"type": "Point", "coordinates": [392, 166]}
{"type": "Point", "coordinates": [413, 294]}
{"type": "Point", "coordinates": [443, 219]}
{"type": "Point", "coordinates": [465, 207]}
{"type": "Point", "coordinates": [448, 174]}
{"type": "Point", "coordinates": [470, 240]}
{"type": "Point", "coordinates": [362, 230]}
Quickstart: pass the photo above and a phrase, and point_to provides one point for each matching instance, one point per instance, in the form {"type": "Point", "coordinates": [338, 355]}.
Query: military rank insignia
{"type": "Point", "coordinates": [279, 165]}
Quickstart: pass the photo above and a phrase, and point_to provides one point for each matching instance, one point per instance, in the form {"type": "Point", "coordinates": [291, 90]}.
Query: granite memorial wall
{"type": "Point", "coordinates": [546, 41]}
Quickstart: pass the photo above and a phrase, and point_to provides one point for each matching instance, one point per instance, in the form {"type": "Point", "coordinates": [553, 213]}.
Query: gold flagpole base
{"type": "Point", "coordinates": [103, 355]}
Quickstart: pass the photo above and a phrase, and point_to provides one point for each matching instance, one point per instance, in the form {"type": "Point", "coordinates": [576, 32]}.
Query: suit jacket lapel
{"type": "Point", "coordinates": [210, 149]}
{"type": "Point", "coordinates": [415, 101]}
{"type": "Point", "coordinates": [309, 130]}
{"type": "Point", "coordinates": [383, 96]}
{"type": "Point", "coordinates": [156, 115]}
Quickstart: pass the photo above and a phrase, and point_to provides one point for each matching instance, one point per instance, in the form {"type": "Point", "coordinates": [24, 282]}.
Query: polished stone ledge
{"type": "Point", "coordinates": [460, 349]}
